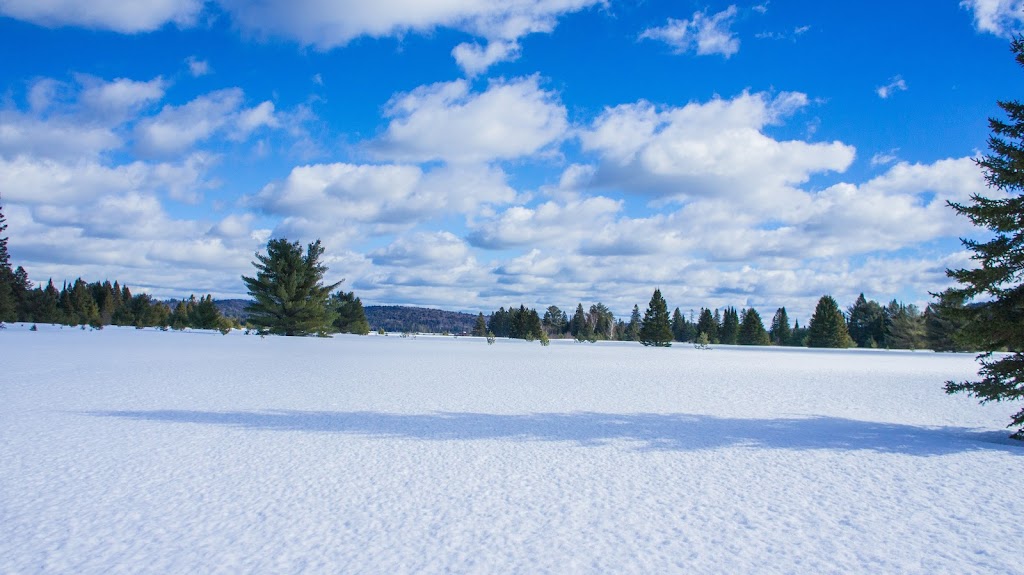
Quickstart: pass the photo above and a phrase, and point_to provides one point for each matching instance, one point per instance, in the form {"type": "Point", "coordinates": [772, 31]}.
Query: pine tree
{"type": "Point", "coordinates": [707, 325]}
{"type": "Point", "coordinates": [633, 327]}
{"type": "Point", "coordinates": [8, 302]}
{"type": "Point", "coordinates": [205, 314]}
{"type": "Point", "coordinates": [904, 326]}
{"type": "Point", "coordinates": [996, 321]}
{"type": "Point", "coordinates": [752, 329]}
{"type": "Point", "coordinates": [480, 329]}
{"type": "Point", "coordinates": [656, 330]}
{"type": "Point", "coordinates": [867, 323]}
{"type": "Point", "coordinates": [729, 332]}
{"type": "Point", "coordinates": [351, 316]}
{"type": "Point", "coordinates": [290, 298]}
{"type": "Point", "coordinates": [828, 326]}
{"type": "Point", "coordinates": [943, 325]}
{"type": "Point", "coordinates": [780, 334]}
{"type": "Point", "coordinates": [678, 326]}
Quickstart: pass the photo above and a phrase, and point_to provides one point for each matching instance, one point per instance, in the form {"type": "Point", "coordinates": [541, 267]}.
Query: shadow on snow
{"type": "Point", "coordinates": [652, 431]}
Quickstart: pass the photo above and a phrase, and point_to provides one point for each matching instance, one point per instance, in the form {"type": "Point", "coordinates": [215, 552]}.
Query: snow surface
{"type": "Point", "coordinates": [140, 451]}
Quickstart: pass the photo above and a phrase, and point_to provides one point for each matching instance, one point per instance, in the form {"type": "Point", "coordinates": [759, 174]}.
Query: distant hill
{"type": "Point", "coordinates": [418, 319]}
{"type": "Point", "coordinates": [389, 317]}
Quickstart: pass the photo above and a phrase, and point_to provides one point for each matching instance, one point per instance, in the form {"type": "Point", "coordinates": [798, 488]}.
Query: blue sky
{"type": "Point", "coordinates": [470, 154]}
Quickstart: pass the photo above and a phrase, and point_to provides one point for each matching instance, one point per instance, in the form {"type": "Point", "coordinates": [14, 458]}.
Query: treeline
{"type": "Point", "coordinates": [99, 304]}
{"type": "Point", "coordinates": [418, 319]}
{"type": "Point", "coordinates": [866, 323]}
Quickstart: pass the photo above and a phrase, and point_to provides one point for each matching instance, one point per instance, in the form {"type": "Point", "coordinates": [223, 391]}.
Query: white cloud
{"type": "Point", "coordinates": [120, 98]}
{"type": "Point", "coordinates": [552, 223]}
{"type": "Point", "coordinates": [475, 59]}
{"type": "Point", "coordinates": [712, 149]}
{"type": "Point", "coordinates": [177, 128]}
{"type": "Point", "coordinates": [425, 249]}
{"type": "Point", "coordinates": [58, 138]}
{"type": "Point", "coordinates": [198, 67]}
{"type": "Point", "coordinates": [884, 158]}
{"type": "Point", "coordinates": [1000, 17]}
{"type": "Point", "coordinates": [127, 16]}
{"type": "Point", "coordinates": [703, 34]}
{"type": "Point", "coordinates": [896, 84]}
{"type": "Point", "coordinates": [445, 121]}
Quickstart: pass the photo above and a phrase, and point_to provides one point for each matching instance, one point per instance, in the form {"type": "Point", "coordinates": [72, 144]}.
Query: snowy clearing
{"type": "Point", "coordinates": [140, 451]}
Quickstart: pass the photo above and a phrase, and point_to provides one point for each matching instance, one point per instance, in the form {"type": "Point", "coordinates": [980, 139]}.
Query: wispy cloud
{"type": "Point", "coordinates": [896, 84]}
{"type": "Point", "coordinates": [703, 34]}
{"type": "Point", "coordinates": [1000, 17]}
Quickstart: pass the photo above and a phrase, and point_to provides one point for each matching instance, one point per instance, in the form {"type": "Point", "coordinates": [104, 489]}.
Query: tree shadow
{"type": "Point", "coordinates": [679, 432]}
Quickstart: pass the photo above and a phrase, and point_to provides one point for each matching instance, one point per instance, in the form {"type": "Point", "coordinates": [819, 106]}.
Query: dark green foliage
{"type": "Point", "coordinates": [780, 333]}
{"type": "Point", "coordinates": [656, 329]}
{"type": "Point", "coordinates": [555, 321]}
{"type": "Point", "coordinates": [943, 325]}
{"type": "Point", "coordinates": [8, 301]}
{"type": "Point", "coordinates": [828, 326]}
{"type": "Point", "coordinates": [205, 315]}
{"type": "Point", "coordinates": [680, 329]}
{"type": "Point", "coordinates": [480, 328]}
{"type": "Point", "coordinates": [729, 332]}
{"type": "Point", "coordinates": [601, 320]}
{"type": "Point", "coordinates": [500, 324]}
{"type": "Point", "coordinates": [904, 326]}
{"type": "Point", "coordinates": [707, 325]}
{"type": "Point", "coordinates": [579, 327]}
{"type": "Point", "coordinates": [632, 331]}
{"type": "Point", "coordinates": [798, 337]}
{"type": "Point", "coordinates": [290, 298]}
{"type": "Point", "coordinates": [996, 321]}
{"type": "Point", "coordinates": [351, 317]}
{"type": "Point", "coordinates": [752, 329]}
{"type": "Point", "coordinates": [867, 323]}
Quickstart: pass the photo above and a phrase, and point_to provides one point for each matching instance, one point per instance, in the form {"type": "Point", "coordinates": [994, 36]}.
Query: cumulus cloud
{"type": "Point", "coordinates": [345, 200]}
{"type": "Point", "coordinates": [712, 149]}
{"type": "Point", "coordinates": [120, 98]}
{"type": "Point", "coordinates": [428, 249]}
{"type": "Point", "coordinates": [1000, 17]}
{"type": "Point", "coordinates": [177, 128]}
{"type": "Point", "coordinates": [896, 84]}
{"type": "Point", "coordinates": [564, 224]}
{"type": "Point", "coordinates": [448, 122]}
{"type": "Point", "coordinates": [127, 16]}
{"type": "Point", "coordinates": [703, 34]}
{"type": "Point", "coordinates": [197, 67]}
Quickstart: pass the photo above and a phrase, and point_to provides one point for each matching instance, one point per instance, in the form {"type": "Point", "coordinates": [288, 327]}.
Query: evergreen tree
{"type": "Point", "coordinates": [289, 296]}
{"type": "Point", "coordinates": [656, 329]}
{"type": "Point", "coordinates": [180, 316]}
{"type": "Point", "coordinates": [867, 323]}
{"type": "Point", "coordinates": [707, 325]}
{"type": "Point", "coordinates": [828, 326]}
{"type": "Point", "coordinates": [601, 320]}
{"type": "Point", "coordinates": [678, 326]}
{"type": "Point", "coordinates": [904, 326]}
{"type": "Point", "coordinates": [500, 323]}
{"type": "Point", "coordinates": [780, 334]}
{"type": "Point", "coordinates": [351, 317]}
{"type": "Point", "coordinates": [579, 327]}
{"type": "Point", "coordinates": [205, 314]}
{"type": "Point", "coordinates": [8, 302]}
{"type": "Point", "coordinates": [943, 324]}
{"type": "Point", "coordinates": [996, 320]}
{"type": "Point", "coordinates": [633, 327]}
{"type": "Point", "coordinates": [729, 332]}
{"type": "Point", "coordinates": [752, 329]}
{"type": "Point", "coordinates": [480, 329]}
{"type": "Point", "coordinates": [554, 321]}
{"type": "Point", "coordinates": [798, 338]}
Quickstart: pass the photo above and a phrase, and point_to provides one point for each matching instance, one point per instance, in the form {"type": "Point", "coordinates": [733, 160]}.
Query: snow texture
{"type": "Point", "coordinates": [140, 451]}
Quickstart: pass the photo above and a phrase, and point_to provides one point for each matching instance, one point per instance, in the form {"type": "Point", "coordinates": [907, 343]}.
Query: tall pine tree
{"type": "Point", "coordinates": [780, 333]}
{"type": "Point", "coordinates": [828, 326]}
{"type": "Point", "coordinates": [996, 320]}
{"type": "Point", "coordinates": [288, 293]}
{"type": "Point", "coordinates": [656, 329]}
{"type": "Point", "coordinates": [752, 329]}
{"type": "Point", "coordinates": [8, 304]}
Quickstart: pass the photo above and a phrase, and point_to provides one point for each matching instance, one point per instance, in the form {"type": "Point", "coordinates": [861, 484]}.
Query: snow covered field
{"type": "Point", "coordinates": [125, 451]}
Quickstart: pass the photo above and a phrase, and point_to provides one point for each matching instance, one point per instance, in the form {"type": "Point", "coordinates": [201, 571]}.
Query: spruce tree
{"type": "Point", "coordinates": [995, 321]}
{"type": "Point", "coordinates": [480, 329]}
{"type": "Point", "coordinates": [351, 317]}
{"type": "Point", "coordinates": [707, 325]}
{"type": "Point", "coordinates": [867, 323]}
{"type": "Point", "coordinates": [729, 333]}
{"type": "Point", "coordinates": [752, 329]}
{"type": "Point", "coordinates": [205, 314]}
{"type": "Point", "coordinates": [633, 327]}
{"type": "Point", "coordinates": [780, 333]}
{"type": "Point", "coordinates": [289, 296]}
{"type": "Point", "coordinates": [656, 329]}
{"type": "Point", "coordinates": [828, 326]}
{"type": "Point", "coordinates": [678, 326]}
{"type": "Point", "coordinates": [8, 303]}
